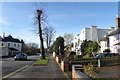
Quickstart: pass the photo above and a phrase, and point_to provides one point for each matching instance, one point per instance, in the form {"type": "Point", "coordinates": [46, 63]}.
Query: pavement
{"type": "Point", "coordinates": [51, 71]}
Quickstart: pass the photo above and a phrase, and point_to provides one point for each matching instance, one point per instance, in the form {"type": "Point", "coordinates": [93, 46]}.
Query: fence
{"type": "Point", "coordinates": [98, 62]}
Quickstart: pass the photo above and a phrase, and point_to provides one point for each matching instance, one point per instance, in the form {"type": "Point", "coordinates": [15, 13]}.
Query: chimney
{"type": "Point", "coordinates": [117, 22]}
{"type": "Point", "coordinates": [3, 35]}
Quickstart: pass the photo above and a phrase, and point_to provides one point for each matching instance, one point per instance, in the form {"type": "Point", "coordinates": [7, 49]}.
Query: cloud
{"type": "Point", "coordinates": [31, 16]}
{"type": "Point", "coordinates": [66, 16]}
{"type": "Point", "coordinates": [5, 22]}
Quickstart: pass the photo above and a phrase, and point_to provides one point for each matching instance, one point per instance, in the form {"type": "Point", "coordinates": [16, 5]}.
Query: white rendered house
{"type": "Point", "coordinates": [113, 39]}
{"type": "Point", "coordinates": [3, 47]}
{"type": "Point", "coordinates": [104, 43]}
{"type": "Point", "coordinates": [93, 33]}
{"type": "Point", "coordinates": [10, 46]}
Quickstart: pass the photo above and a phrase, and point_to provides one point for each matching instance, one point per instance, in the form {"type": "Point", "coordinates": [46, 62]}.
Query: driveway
{"type": "Point", "coordinates": [109, 72]}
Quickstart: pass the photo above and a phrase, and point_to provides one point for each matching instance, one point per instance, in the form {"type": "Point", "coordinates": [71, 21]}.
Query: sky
{"type": "Point", "coordinates": [66, 17]}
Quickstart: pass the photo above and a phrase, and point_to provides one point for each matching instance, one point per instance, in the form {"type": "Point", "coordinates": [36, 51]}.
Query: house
{"type": "Point", "coordinates": [76, 44]}
{"type": "Point", "coordinates": [104, 43]}
{"type": "Point", "coordinates": [10, 46]}
{"type": "Point", "coordinates": [113, 39]}
{"type": "Point", "coordinates": [3, 47]}
{"type": "Point", "coordinates": [92, 33]}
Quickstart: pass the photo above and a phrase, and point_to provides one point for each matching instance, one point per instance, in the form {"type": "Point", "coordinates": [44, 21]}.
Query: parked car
{"type": "Point", "coordinates": [105, 55]}
{"type": "Point", "coordinates": [21, 56]}
{"type": "Point", "coordinates": [40, 55]}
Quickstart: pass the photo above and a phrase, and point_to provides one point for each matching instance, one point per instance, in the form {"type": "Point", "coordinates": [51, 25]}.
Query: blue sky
{"type": "Point", "coordinates": [65, 17]}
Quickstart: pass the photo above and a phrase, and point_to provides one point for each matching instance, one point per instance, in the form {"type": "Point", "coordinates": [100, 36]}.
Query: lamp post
{"type": "Point", "coordinates": [40, 33]}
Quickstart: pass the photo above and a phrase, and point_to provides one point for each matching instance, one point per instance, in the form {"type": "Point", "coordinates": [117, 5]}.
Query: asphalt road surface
{"type": "Point", "coordinates": [9, 65]}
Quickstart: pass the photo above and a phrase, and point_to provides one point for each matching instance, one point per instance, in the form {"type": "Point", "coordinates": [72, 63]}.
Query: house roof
{"type": "Point", "coordinates": [117, 43]}
{"type": "Point", "coordinates": [11, 39]}
{"type": "Point", "coordinates": [114, 32]}
{"type": "Point", "coordinates": [2, 39]}
{"type": "Point", "coordinates": [104, 39]}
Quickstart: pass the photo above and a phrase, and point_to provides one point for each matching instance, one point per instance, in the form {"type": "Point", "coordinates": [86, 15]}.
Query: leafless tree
{"type": "Point", "coordinates": [43, 29]}
{"type": "Point", "coordinates": [40, 21]}
{"type": "Point", "coordinates": [68, 37]}
{"type": "Point", "coordinates": [48, 33]}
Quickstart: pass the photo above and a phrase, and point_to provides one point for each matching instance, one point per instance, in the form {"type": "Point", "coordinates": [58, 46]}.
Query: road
{"type": "Point", "coordinates": [10, 65]}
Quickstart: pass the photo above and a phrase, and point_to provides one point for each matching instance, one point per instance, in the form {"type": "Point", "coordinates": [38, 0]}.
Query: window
{"type": "Point", "coordinates": [83, 32]}
{"type": "Point", "coordinates": [117, 37]}
{"type": "Point", "coordinates": [18, 45]}
{"type": "Point", "coordinates": [14, 45]}
{"type": "Point", "coordinates": [8, 44]}
{"type": "Point", "coordinates": [2, 44]}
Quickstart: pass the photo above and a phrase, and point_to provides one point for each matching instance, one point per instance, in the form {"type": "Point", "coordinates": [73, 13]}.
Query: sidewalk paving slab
{"type": "Point", "coordinates": [50, 72]}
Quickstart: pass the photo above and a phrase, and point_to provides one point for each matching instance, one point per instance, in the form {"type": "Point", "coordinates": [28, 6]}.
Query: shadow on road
{"type": "Point", "coordinates": [27, 60]}
{"type": "Point", "coordinates": [31, 60]}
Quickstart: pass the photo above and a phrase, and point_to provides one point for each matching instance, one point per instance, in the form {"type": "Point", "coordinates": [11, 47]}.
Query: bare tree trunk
{"type": "Point", "coordinates": [47, 39]}
{"type": "Point", "coordinates": [40, 34]}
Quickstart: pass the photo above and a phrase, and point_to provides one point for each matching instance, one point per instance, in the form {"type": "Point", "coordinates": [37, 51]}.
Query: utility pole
{"type": "Point", "coordinates": [40, 33]}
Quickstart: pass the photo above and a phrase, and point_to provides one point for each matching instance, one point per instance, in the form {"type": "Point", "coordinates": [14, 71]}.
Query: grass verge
{"type": "Point", "coordinates": [42, 61]}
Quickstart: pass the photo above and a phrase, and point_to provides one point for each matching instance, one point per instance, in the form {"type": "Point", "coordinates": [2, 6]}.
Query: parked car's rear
{"type": "Point", "coordinates": [105, 55]}
{"type": "Point", "coordinates": [21, 56]}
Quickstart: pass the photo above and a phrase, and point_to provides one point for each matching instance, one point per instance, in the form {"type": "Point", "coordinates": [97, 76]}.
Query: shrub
{"type": "Point", "coordinates": [90, 70]}
{"type": "Point", "coordinates": [86, 56]}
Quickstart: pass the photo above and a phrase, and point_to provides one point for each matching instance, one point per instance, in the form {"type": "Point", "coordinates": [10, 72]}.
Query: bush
{"type": "Point", "coordinates": [90, 70]}
{"type": "Point", "coordinates": [78, 57]}
{"type": "Point", "coordinates": [86, 56]}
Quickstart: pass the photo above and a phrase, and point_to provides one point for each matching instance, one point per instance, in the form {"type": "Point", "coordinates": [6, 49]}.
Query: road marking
{"type": "Point", "coordinates": [10, 74]}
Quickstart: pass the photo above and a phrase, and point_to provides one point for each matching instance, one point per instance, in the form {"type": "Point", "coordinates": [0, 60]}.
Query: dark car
{"type": "Point", "coordinates": [105, 55]}
{"type": "Point", "coordinates": [21, 56]}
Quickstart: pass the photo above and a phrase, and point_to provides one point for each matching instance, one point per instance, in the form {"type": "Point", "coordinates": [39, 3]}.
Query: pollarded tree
{"type": "Point", "coordinates": [58, 46]}
{"type": "Point", "coordinates": [61, 44]}
{"type": "Point", "coordinates": [55, 47]}
{"type": "Point", "coordinates": [40, 21]}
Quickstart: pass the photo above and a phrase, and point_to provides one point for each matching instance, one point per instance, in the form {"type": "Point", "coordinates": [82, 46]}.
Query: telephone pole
{"type": "Point", "coordinates": [40, 33]}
